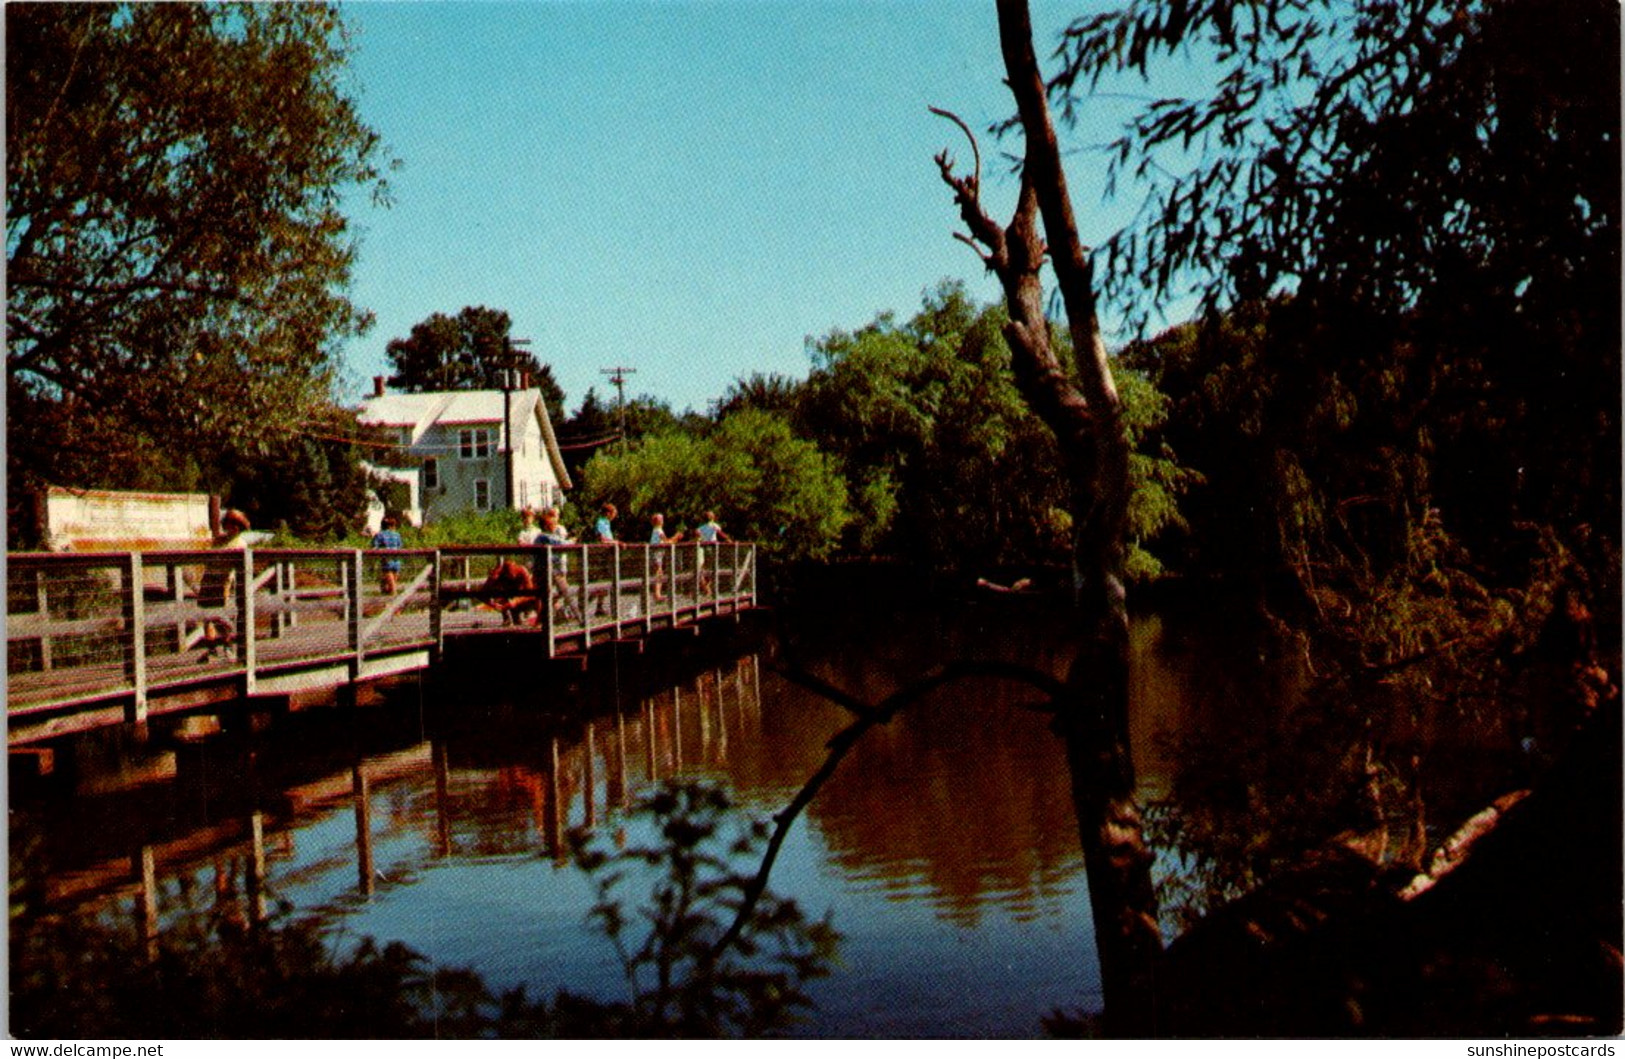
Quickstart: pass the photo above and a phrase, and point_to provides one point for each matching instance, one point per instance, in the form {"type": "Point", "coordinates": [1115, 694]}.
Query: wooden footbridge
{"type": "Point", "coordinates": [113, 637]}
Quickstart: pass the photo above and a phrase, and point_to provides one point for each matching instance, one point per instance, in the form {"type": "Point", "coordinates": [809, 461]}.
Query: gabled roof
{"type": "Point", "coordinates": [418, 412]}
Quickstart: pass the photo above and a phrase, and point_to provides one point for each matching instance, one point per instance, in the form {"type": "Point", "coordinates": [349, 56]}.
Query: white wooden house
{"type": "Point", "coordinates": [481, 450]}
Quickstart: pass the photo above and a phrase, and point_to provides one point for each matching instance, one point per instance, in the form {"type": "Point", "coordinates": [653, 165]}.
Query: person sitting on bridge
{"type": "Point", "coordinates": [218, 579]}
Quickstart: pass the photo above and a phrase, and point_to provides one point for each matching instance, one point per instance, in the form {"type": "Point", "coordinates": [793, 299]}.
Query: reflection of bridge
{"type": "Point", "coordinates": [101, 638]}
{"type": "Point", "coordinates": [428, 801]}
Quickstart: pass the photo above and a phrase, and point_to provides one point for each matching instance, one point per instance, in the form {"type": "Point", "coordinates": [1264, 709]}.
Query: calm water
{"type": "Point", "coordinates": [945, 848]}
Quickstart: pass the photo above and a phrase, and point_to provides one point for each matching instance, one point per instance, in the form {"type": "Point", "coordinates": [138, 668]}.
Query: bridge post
{"type": "Point", "coordinates": [615, 588]}
{"type": "Point", "coordinates": [672, 562]}
{"type": "Point", "coordinates": [144, 866]}
{"type": "Point", "coordinates": [647, 594]}
{"type": "Point", "coordinates": [547, 602]}
{"type": "Point", "coordinates": [42, 604]}
{"type": "Point", "coordinates": [589, 782]}
{"type": "Point", "coordinates": [135, 622]}
{"type": "Point", "coordinates": [361, 795]}
{"type": "Point", "coordinates": [281, 583]}
{"type": "Point", "coordinates": [255, 870]}
{"type": "Point", "coordinates": [586, 595]}
{"type": "Point", "coordinates": [175, 592]}
{"type": "Point", "coordinates": [554, 817]}
{"type": "Point", "coordinates": [437, 631]}
{"type": "Point", "coordinates": [355, 597]}
{"type": "Point", "coordinates": [247, 646]}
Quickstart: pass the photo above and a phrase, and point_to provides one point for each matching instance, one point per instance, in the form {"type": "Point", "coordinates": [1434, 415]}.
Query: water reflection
{"type": "Point", "coordinates": [442, 819]}
{"type": "Point", "coordinates": [945, 843]}
{"type": "Point", "coordinates": [1249, 767]}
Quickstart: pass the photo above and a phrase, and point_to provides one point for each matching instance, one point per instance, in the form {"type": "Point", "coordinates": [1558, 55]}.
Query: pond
{"type": "Point", "coordinates": [944, 847]}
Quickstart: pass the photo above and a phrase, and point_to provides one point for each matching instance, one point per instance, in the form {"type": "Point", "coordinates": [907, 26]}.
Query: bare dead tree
{"type": "Point", "coordinates": [1082, 408]}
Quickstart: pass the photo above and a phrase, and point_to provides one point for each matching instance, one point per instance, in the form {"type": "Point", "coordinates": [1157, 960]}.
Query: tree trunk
{"type": "Point", "coordinates": [1083, 410]}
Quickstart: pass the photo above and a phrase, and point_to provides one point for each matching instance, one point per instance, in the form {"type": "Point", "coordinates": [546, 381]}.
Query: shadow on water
{"type": "Point", "coordinates": [490, 820]}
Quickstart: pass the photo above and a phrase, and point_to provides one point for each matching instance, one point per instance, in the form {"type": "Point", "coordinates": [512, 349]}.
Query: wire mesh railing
{"type": "Point", "coordinates": [582, 594]}
{"type": "Point", "coordinates": [92, 626]}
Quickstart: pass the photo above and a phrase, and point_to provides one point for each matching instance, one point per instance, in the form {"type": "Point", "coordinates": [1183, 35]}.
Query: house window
{"type": "Point", "coordinates": [474, 443]}
{"type": "Point", "coordinates": [482, 494]}
{"type": "Point", "coordinates": [431, 473]}
{"type": "Point", "coordinates": [524, 494]}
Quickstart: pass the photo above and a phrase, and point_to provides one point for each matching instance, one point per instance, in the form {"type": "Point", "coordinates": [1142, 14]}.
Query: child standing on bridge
{"type": "Point", "coordinates": [528, 531]}
{"type": "Point", "coordinates": [605, 526]}
{"type": "Point", "coordinates": [554, 534]}
{"type": "Point", "coordinates": [389, 537]}
{"type": "Point", "coordinates": [708, 532]}
{"type": "Point", "coordinates": [657, 535]}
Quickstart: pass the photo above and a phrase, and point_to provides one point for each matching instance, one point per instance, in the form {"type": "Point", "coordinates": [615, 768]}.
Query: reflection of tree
{"type": "Point", "coordinates": [1101, 783]}
{"type": "Point", "coordinates": [1513, 930]}
{"type": "Point", "coordinates": [1266, 768]}
{"type": "Point", "coordinates": [1306, 836]}
{"type": "Point", "coordinates": [988, 816]}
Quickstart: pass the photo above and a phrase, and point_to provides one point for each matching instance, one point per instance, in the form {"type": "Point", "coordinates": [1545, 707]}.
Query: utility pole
{"type": "Point", "coordinates": [510, 382]}
{"type": "Point", "coordinates": [618, 376]}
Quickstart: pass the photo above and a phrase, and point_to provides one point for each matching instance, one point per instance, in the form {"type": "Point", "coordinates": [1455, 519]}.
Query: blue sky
{"type": "Point", "coordinates": [688, 189]}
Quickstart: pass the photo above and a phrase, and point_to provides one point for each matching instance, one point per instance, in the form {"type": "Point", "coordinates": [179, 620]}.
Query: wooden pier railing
{"type": "Point", "coordinates": [117, 630]}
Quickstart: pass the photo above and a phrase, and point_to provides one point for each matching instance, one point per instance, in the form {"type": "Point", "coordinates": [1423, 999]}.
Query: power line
{"type": "Point", "coordinates": [592, 442]}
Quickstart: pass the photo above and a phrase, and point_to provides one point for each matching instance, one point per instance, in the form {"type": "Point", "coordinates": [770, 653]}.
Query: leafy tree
{"type": "Point", "coordinates": [944, 459]}
{"type": "Point", "coordinates": [1400, 204]}
{"type": "Point", "coordinates": [598, 427]}
{"type": "Point", "coordinates": [764, 393]}
{"type": "Point", "coordinates": [311, 484]}
{"type": "Point", "coordinates": [469, 351]}
{"type": "Point", "coordinates": [552, 393]}
{"type": "Point", "coordinates": [1375, 149]}
{"type": "Point", "coordinates": [175, 251]}
{"type": "Point", "coordinates": [647, 416]}
{"type": "Point", "coordinates": [921, 415]}
{"type": "Point", "coordinates": [765, 484]}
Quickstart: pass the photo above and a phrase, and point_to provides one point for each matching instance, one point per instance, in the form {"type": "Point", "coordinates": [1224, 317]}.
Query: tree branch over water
{"type": "Point", "coordinates": [868, 716]}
